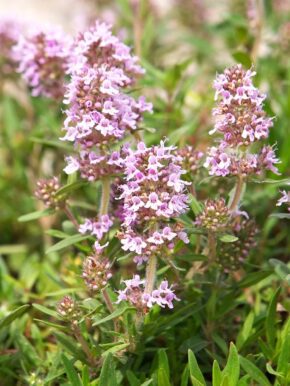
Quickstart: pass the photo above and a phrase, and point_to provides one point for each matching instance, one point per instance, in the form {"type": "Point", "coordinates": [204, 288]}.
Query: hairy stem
{"type": "Point", "coordinates": [150, 274]}
{"type": "Point", "coordinates": [110, 307]}
{"type": "Point", "coordinates": [107, 300]}
{"type": "Point", "coordinates": [104, 206]}
{"type": "Point", "coordinates": [105, 199]}
{"type": "Point", "coordinates": [79, 336]}
{"type": "Point", "coordinates": [71, 217]}
{"type": "Point", "coordinates": [211, 246]}
{"type": "Point", "coordinates": [237, 195]}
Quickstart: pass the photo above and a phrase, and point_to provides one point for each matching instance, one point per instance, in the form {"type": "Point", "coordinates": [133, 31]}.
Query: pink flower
{"type": "Point", "coordinates": [43, 61]}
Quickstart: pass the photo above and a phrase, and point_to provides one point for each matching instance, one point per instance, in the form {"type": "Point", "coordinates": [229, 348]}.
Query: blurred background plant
{"type": "Point", "coordinates": [182, 45]}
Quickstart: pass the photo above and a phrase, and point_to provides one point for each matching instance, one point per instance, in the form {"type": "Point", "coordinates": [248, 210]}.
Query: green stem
{"type": "Point", "coordinates": [105, 199]}
{"type": "Point", "coordinates": [150, 274]}
{"type": "Point", "coordinates": [237, 195]}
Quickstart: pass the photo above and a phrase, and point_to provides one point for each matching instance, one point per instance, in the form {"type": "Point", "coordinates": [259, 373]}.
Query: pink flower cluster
{"type": "Point", "coordinates": [153, 194]}
{"type": "Point", "coordinates": [43, 58]}
{"type": "Point", "coordinates": [241, 120]}
{"type": "Point", "coordinates": [223, 160]}
{"type": "Point", "coordinates": [100, 113]}
{"type": "Point", "coordinates": [96, 227]}
{"type": "Point", "coordinates": [9, 35]}
{"type": "Point", "coordinates": [134, 294]}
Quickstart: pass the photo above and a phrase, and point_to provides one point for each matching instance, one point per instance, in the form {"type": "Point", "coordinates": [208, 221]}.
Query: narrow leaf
{"type": "Point", "coordinates": [108, 372]}
{"type": "Point", "coordinates": [46, 310]}
{"type": "Point", "coordinates": [194, 370]}
{"type": "Point", "coordinates": [8, 319]}
{"type": "Point", "coordinates": [255, 373]}
{"type": "Point", "coordinates": [228, 238]}
{"type": "Point", "coordinates": [71, 372]}
{"type": "Point", "coordinates": [216, 374]}
{"type": "Point", "coordinates": [271, 318]}
{"type": "Point", "coordinates": [70, 240]}
{"type": "Point", "coordinates": [232, 368]}
{"type": "Point", "coordinates": [36, 215]}
{"type": "Point", "coordinates": [113, 315]}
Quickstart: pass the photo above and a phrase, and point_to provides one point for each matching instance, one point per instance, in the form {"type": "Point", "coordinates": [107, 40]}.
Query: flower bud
{"type": "Point", "coordinates": [47, 192]}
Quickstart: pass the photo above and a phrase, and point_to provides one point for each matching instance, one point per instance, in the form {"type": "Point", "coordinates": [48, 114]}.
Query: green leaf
{"type": "Point", "coordinates": [284, 355]}
{"type": "Point", "coordinates": [71, 372]}
{"type": "Point", "coordinates": [53, 325]}
{"type": "Point", "coordinates": [70, 240]}
{"type": "Point", "coordinates": [194, 370]}
{"type": "Point", "coordinates": [272, 371]}
{"type": "Point", "coordinates": [271, 319]}
{"type": "Point", "coordinates": [216, 374]}
{"type": "Point", "coordinates": [195, 205]}
{"type": "Point", "coordinates": [254, 278]}
{"type": "Point", "coordinates": [118, 312]}
{"type": "Point", "coordinates": [36, 215]}
{"type": "Point", "coordinates": [27, 351]}
{"type": "Point", "coordinates": [56, 233]}
{"type": "Point", "coordinates": [232, 368]}
{"type": "Point", "coordinates": [11, 249]}
{"type": "Point", "coordinates": [162, 377]}
{"type": "Point", "coordinates": [116, 348]}
{"type": "Point", "coordinates": [52, 143]}
{"type": "Point", "coordinates": [8, 319]}
{"type": "Point", "coordinates": [228, 238]}
{"type": "Point", "coordinates": [255, 373]}
{"type": "Point", "coordinates": [46, 310]}
{"type": "Point", "coordinates": [70, 345]}
{"type": "Point", "coordinates": [133, 380]}
{"type": "Point", "coordinates": [65, 190]}
{"type": "Point", "coordinates": [246, 330]}
{"type": "Point", "coordinates": [185, 376]}
{"type": "Point", "coordinates": [85, 376]}
{"type": "Point", "coordinates": [281, 215]}
{"type": "Point", "coordinates": [243, 58]}
{"type": "Point", "coordinates": [108, 373]}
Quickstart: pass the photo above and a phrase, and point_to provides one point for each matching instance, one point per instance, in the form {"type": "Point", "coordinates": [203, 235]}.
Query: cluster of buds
{"type": "Point", "coordinates": [100, 112]}
{"type": "Point", "coordinates": [96, 272]}
{"type": "Point", "coordinates": [9, 35]}
{"type": "Point", "coordinates": [135, 294]}
{"type": "Point", "coordinates": [43, 58]}
{"type": "Point", "coordinates": [231, 255]}
{"type": "Point", "coordinates": [284, 199]}
{"type": "Point", "coordinates": [68, 309]}
{"type": "Point", "coordinates": [215, 215]}
{"type": "Point", "coordinates": [241, 120]}
{"type": "Point", "coordinates": [153, 194]}
{"type": "Point", "coordinates": [190, 159]}
{"type": "Point", "coordinates": [47, 192]}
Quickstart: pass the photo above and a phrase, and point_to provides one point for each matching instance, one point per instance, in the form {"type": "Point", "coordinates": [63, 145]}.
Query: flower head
{"type": "Point", "coordinates": [134, 294]}
{"type": "Point", "coordinates": [100, 113]}
{"type": "Point", "coordinates": [153, 194]}
{"type": "Point", "coordinates": [43, 61]}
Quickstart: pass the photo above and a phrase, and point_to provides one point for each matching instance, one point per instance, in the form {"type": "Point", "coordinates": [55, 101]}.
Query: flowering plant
{"type": "Point", "coordinates": [152, 240]}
